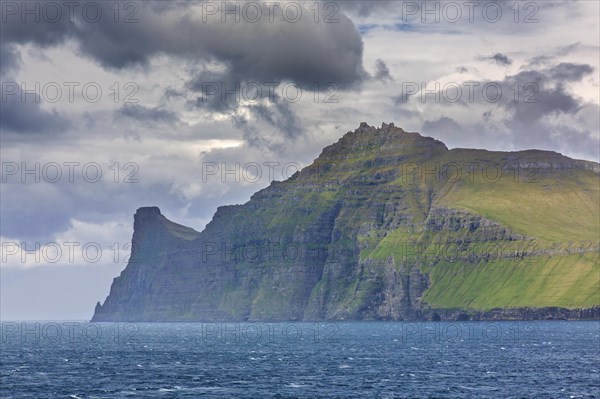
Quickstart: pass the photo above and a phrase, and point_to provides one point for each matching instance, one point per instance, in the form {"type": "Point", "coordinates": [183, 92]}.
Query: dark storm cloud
{"type": "Point", "coordinates": [273, 125]}
{"type": "Point", "coordinates": [530, 119]}
{"type": "Point", "coordinates": [442, 125]}
{"type": "Point", "coordinates": [487, 115]}
{"type": "Point", "coordinates": [541, 60]}
{"type": "Point", "coordinates": [24, 215]}
{"type": "Point", "coordinates": [146, 114]}
{"type": "Point", "coordinates": [543, 93]}
{"type": "Point", "coordinates": [382, 72]}
{"type": "Point", "coordinates": [228, 54]}
{"type": "Point", "coordinates": [24, 115]}
{"type": "Point", "coordinates": [533, 116]}
{"type": "Point", "coordinates": [498, 58]}
{"type": "Point", "coordinates": [404, 97]}
{"type": "Point", "coordinates": [303, 51]}
{"type": "Point", "coordinates": [528, 95]}
{"type": "Point", "coordinates": [280, 116]}
{"type": "Point", "coordinates": [219, 91]}
{"type": "Point", "coordinates": [10, 58]}
{"type": "Point", "coordinates": [569, 72]}
{"type": "Point", "coordinates": [454, 134]}
{"type": "Point", "coordinates": [42, 32]}
{"type": "Point", "coordinates": [248, 103]}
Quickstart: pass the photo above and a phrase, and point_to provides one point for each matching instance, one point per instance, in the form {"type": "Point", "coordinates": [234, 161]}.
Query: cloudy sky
{"type": "Point", "coordinates": [108, 106]}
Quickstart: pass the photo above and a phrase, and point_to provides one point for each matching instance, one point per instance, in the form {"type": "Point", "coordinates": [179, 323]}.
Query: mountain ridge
{"type": "Point", "coordinates": [362, 216]}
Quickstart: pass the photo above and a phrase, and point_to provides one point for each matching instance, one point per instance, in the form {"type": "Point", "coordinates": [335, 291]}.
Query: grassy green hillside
{"type": "Point", "coordinates": [570, 281]}
{"type": "Point", "coordinates": [385, 224]}
{"type": "Point", "coordinates": [553, 210]}
{"type": "Point", "coordinates": [556, 206]}
{"type": "Point", "coordinates": [556, 210]}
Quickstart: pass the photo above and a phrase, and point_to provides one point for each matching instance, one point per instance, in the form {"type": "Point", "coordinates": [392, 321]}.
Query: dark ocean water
{"type": "Point", "coordinates": [554, 359]}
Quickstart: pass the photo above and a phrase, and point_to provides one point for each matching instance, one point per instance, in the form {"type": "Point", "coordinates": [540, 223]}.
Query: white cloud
{"type": "Point", "coordinates": [82, 244]}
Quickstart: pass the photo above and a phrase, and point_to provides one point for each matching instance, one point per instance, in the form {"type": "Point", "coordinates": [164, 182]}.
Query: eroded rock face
{"type": "Point", "coordinates": [307, 248]}
{"type": "Point", "coordinates": [520, 313]}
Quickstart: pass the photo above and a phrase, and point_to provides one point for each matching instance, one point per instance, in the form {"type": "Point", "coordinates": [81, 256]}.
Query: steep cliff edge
{"type": "Point", "coordinates": [384, 224]}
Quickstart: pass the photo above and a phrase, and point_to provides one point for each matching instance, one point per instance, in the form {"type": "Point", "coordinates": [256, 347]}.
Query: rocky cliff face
{"type": "Point", "coordinates": [365, 232]}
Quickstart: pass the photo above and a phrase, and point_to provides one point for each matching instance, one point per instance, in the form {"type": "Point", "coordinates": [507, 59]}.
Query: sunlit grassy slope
{"type": "Point", "coordinates": [558, 210]}
{"type": "Point", "coordinates": [552, 205]}
{"type": "Point", "coordinates": [570, 281]}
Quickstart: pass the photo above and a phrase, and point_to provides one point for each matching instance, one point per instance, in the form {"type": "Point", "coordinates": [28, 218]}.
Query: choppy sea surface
{"type": "Point", "coordinates": [548, 359]}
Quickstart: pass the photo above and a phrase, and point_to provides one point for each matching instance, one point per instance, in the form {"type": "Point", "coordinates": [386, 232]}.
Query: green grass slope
{"type": "Point", "coordinates": [557, 210]}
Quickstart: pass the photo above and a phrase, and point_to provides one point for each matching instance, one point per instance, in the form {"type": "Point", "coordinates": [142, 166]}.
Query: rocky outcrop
{"type": "Point", "coordinates": [346, 238]}
{"type": "Point", "coordinates": [544, 313]}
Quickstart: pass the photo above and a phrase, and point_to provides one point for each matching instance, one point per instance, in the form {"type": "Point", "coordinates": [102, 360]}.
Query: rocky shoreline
{"type": "Point", "coordinates": [512, 314]}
